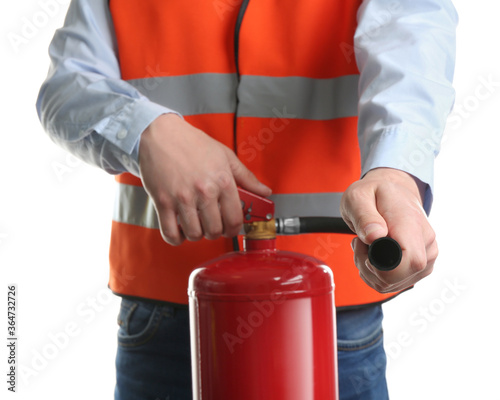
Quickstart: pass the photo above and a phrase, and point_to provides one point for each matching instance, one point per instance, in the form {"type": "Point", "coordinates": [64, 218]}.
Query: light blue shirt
{"type": "Point", "coordinates": [404, 49]}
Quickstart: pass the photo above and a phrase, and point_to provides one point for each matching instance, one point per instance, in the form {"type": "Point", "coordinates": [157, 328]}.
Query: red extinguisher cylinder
{"type": "Point", "coordinates": [263, 326]}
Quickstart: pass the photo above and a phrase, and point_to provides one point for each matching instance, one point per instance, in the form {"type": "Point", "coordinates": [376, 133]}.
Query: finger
{"type": "Point", "coordinates": [420, 273]}
{"type": "Point", "coordinates": [245, 178]}
{"type": "Point", "coordinates": [190, 221]}
{"type": "Point", "coordinates": [211, 221]}
{"type": "Point", "coordinates": [360, 252]}
{"type": "Point", "coordinates": [396, 280]}
{"type": "Point", "coordinates": [229, 204]}
{"type": "Point", "coordinates": [231, 212]}
{"type": "Point", "coordinates": [366, 271]}
{"type": "Point", "coordinates": [411, 235]}
{"type": "Point", "coordinates": [432, 252]}
{"type": "Point", "coordinates": [408, 282]}
{"type": "Point", "coordinates": [381, 281]}
{"type": "Point", "coordinates": [169, 228]}
{"type": "Point", "coordinates": [208, 192]}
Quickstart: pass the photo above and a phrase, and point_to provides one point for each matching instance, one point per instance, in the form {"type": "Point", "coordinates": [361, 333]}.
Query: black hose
{"type": "Point", "coordinates": [323, 225]}
{"type": "Point", "coordinates": [384, 253]}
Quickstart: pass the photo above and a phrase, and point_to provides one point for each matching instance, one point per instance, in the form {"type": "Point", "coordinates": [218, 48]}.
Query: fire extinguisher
{"type": "Point", "coordinates": [262, 321]}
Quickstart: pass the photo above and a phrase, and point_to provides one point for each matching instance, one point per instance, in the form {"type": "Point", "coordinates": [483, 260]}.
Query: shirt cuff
{"type": "Point", "coordinates": [400, 149]}
{"type": "Point", "coordinates": [124, 130]}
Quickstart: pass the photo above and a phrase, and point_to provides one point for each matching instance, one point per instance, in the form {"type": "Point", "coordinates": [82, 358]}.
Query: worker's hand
{"type": "Point", "coordinates": [192, 180]}
{"type": "Point", "coordinates": [389, 202]}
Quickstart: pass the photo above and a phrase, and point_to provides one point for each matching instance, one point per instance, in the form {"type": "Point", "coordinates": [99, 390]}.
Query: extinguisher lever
{"type": "Point", "coordinates": [255, 208]}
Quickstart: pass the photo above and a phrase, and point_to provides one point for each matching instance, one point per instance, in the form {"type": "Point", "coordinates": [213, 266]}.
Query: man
{"type": "Point", "coordinates": [188, 100]}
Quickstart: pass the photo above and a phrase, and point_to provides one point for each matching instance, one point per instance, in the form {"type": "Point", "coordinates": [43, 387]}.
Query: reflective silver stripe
{"type": "Point", "coordinates": [298, 97]}
{"type": "Point", "coordinates": [191, 94]}
{"type": "Point", "coordinates": [307, 204]}
{"type": "Point", "coordinates": [133, 206]}
{"type": "Point", "coordinates": [259, 96]}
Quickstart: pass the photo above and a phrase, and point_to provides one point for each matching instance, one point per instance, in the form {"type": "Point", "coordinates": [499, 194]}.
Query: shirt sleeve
{"type": "Point", "coordinates": [84, 105]}
{"type": "Point", "coordinates": [405, 52]}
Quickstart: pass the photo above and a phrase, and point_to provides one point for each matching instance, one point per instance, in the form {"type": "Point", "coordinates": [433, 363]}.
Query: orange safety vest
{"type": "Point", "coordinates": [271, 80]}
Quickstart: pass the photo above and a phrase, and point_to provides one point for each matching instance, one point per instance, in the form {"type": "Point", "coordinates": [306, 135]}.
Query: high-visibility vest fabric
{"type": "Point", "coordinates": [291, 87]}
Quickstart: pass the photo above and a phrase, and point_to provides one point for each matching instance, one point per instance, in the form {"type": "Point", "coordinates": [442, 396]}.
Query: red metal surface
{"type": "Point", "coordinates": [263, 327]}
{"type": "Point", "coordinates": [255, 208]}
{"type": "Point", "coordinates": [259, 244]}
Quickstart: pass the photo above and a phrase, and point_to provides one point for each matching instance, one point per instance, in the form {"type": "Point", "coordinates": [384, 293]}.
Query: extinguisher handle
{"type": "Point", "coordinates": [384, 253]}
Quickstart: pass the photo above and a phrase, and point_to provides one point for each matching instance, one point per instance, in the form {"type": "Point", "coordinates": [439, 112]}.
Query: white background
{"type": "Point", "coordinates": [441, 338]}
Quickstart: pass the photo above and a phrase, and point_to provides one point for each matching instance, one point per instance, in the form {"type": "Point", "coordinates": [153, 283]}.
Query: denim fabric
{"type": "Point", "coordinates": [153, 359]}
{"type": "Point", "coordinates": [361, 355]}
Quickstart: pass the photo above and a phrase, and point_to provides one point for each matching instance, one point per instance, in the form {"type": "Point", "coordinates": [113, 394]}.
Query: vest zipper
{"type": "Point", "coordinates": [239, 20]}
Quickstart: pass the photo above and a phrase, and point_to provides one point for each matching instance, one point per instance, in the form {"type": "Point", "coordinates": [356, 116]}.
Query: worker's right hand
{"type": "Point", "coordinates": [192, 180]}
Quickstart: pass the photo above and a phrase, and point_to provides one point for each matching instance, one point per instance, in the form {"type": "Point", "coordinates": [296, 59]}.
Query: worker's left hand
{"type": "Point", "coordinates": [389, 202]}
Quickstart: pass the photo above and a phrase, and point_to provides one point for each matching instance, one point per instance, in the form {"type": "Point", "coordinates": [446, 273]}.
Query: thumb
{"type": "Point", "coordinates": [362, 215]}
{"type": "Point", "coordinates": [371, 229]}
{"type": "Point", "coordinates": [245, 178]}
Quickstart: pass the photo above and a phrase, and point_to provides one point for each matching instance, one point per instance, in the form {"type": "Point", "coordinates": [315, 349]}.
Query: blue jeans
{"type": "Point", "coordinates": [153, 359]}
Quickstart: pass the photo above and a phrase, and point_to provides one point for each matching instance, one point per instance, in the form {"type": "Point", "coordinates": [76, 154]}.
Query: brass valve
{"type": "Point", "coordinates": [260, 229]}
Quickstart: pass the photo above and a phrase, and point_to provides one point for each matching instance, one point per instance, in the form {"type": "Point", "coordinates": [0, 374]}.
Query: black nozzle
{"type": "Point", "coordinates": [385, 254]}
